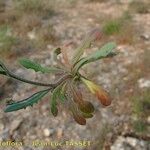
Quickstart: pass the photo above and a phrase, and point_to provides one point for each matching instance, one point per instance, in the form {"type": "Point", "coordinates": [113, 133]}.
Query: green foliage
{"type": "Point", "coordinates": [104, 52]}
{"type": "Point", "coordinates": [26, 102]}
{"type": "Point", "coordinates": [141, 107]}
{"type": "Point", "coordinates": [117, 25]}
{"type": "Point", "coordinates": [139, 126]}
{"type": "Point", "coordinates": [112, 27]}
{"type": "Point", "coordinates": [29, 64]}
{"type": "Point", "coordinates": [65, 89]}
{"type": "Point", "coordinates": [141, 104]}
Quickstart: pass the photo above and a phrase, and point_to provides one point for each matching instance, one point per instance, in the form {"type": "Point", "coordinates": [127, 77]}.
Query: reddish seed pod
{"type": "Point", "coordinates": [79, 119]}
{"type": "Point", "coordinates": [103, 97]}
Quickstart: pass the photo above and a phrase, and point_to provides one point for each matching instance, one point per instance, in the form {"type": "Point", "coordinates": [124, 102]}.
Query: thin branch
{"type": "Point", "coordinates": [12, 75]}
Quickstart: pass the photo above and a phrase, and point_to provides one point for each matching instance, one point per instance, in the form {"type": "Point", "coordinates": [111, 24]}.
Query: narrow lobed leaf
{"type": "Point", "coordinates": [29, 64]}
{"type": "Point", "coordinates": [104, 52]}
{"type": "Point", "coordinates": [26, 102]}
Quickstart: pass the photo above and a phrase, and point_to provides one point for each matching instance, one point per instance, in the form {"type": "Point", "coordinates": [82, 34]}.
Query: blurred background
{"type": "Point", "coordinates": [33, 28]}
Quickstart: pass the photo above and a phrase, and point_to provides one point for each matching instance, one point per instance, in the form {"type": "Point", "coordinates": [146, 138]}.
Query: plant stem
{"type": "Point", "coordinates": [12, 75]}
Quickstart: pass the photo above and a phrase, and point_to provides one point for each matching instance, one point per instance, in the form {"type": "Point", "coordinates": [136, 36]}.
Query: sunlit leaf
{"type": "Point", "coordinates": [29, 64]}
{"type": "Point", "coordinates": [26, 102]}
{"type": "Point", "coordinates": [86, 43]}
{"type": "Point", "coordinates": [105, 51]}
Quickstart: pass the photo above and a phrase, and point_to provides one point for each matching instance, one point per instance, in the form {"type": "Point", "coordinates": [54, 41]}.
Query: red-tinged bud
{"type": "Point", "coordinates": [79, 119]}
{"type": "Point", "coordinates": [76, 115]}
{"type": "Point", "coordinates": [103, 97]}
{"type": "Point", "coordinates": [101, 94]}
{"type": "Point", "coordinates": [96, 34]}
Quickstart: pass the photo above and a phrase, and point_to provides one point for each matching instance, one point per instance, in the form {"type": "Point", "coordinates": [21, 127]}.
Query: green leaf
{"type": "Point", "coordinates": [62, 92]}
{"type": "Point", "coordinates": [29, 64]}
{"type": "Point", "coordinates": [86, 43]}
{"type": "Point", "coordinates": [105, 51]}
{"type": "Point", "coordinates": [2, 71]}
{"type": "Point", "coordinates": [26, 102]}
{"type": "Point", "coordinates": [55, 94]}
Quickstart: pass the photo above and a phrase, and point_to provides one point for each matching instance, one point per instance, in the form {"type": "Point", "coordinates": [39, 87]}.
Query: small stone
{"type": "Point", "coordinates": [144, 83]}
{"type": "Point", "coordinates": [4, 134]}
{"type": "Point", "coordinates": [48, 132]}
{"type": "Point", "coordinates": [132, 141]}
{"type": "Point", "coordinates": [145, 37]}
{"type": "Point", "coordinates": [148, 119]}
{"type": "Point", "coordinates": [31, 35]}
{"type": "Point", "coordinates": [1, 127]}
{"type": "Point", "coordinates": [59, 132]}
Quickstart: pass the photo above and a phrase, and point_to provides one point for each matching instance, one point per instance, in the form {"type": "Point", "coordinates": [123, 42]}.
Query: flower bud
{"type": "Point", "coordinates": [101, 94]}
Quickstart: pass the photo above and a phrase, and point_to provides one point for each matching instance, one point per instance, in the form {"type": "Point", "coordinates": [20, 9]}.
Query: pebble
{"type": "Point", "coordinates": [143, 83]}
{"type": "Point", "coordinates": [59, 132]}
{"type": "Point", "coordinates": [31, 35]}
{"type": "Point", "coordinates": [1, 127]}
{"type": "Point", "coordinates": [145, 37]}
{"type": "Point", "coordinates": [48, 132]}
{"type": "Point", "coordinates": [129, 143]}
{"type": "Point", "coordinates": [4, 134]}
